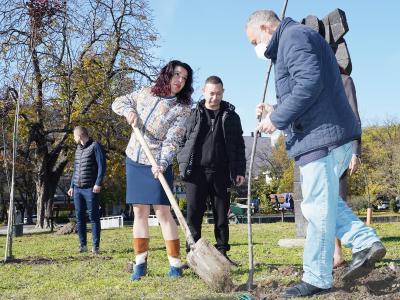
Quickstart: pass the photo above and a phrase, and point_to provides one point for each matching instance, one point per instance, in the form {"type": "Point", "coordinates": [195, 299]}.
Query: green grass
{"type": "Point", "coordinates": [49, 267]}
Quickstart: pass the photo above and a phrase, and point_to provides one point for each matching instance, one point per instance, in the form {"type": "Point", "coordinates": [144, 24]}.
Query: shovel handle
{"type": "Point", "coordinates": [165, 185]}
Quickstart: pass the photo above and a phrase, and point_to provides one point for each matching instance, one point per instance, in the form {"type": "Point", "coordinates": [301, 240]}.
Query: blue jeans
{"type": "Point", "coordinates": [328, 216]}
{"type": "Point", "coordinates": [85, 199]}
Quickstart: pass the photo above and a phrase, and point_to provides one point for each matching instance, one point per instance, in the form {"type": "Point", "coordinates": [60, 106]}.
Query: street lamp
{"type": "Point", "coordinates": [11, 95]}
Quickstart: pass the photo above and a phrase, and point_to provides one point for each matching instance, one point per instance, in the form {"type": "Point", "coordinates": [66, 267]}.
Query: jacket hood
{"type": "Point", "coordinates": [272, 49]}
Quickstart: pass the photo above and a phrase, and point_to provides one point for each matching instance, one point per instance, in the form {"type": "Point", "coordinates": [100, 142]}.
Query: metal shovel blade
{"type": "Point", "coordinates": [211, 266]}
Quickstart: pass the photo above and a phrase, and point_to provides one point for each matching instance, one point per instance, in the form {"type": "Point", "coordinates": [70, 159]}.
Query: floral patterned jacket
{"type": "Point", "coordinates": [161, 121]}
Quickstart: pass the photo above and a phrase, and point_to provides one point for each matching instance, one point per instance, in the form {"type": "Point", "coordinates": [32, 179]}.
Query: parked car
{"type": "Point", "coordinates": [383, 206]}
{"type": "Point", "coordinates": [34, 217]}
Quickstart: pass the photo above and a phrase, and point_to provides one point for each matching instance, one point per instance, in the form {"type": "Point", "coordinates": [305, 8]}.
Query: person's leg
{"type": "Point", "coordinates": [170, 233]}
{"type": "Point", "coordinates": [350, 229]}
{"type": "Point", "coordinates": [220, 206]}
{"type": "Point", "coordinates": [338, 259]}
{"type": "Point", "coordinates": [80, 213]}
{"type": "Point", "coordinates": [320, 189]}
{"type": "Point", "coordinates": [366, 246]}
{"type": "Point", "coordinates": [196, 196]}
{"type": "Point", "coordinates": [93, 206]}
{"type": "Point", "coordinates": [140, 239]}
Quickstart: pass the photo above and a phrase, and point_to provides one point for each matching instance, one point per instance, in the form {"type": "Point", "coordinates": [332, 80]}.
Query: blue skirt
{"type": "Point", "coordinates": [142, 187]}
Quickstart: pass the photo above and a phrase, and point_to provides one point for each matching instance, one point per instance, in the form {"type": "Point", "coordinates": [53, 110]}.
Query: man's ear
{"type": "Point", "coordinates": [264, 27]}
{"type": "Point", "coordinates": [267, 27]}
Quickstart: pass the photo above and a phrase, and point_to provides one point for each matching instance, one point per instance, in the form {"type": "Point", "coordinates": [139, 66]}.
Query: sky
{"type": "Point", "coordinates": [210, 37]}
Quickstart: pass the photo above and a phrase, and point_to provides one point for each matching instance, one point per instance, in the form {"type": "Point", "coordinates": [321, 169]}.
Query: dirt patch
{"type": "Point", "coordinates": [32, 260]}
{"type": "Point", "coordinates": [129, 267]}
{"type": "Point", "coordinates": [68, 228]}
{"type": "Point", "coordinates": [38, 260]}
{"type": "Point", "coordinates": [381, 283]}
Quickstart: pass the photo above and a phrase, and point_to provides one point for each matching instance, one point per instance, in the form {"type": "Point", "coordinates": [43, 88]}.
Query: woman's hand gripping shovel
{"type": "Point", "coordinates": [204, 259]}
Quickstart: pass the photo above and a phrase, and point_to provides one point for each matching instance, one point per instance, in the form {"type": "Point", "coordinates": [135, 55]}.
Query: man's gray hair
{"type": "Point", "coordinates": [82, 131]}
{"type": "Point", "coordinates": [263, 16]}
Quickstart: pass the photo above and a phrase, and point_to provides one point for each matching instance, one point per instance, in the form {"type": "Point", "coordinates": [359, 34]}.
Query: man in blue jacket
{"type": "Point", "coordinates": [89, 169]}
{"type": "Point", "coordinates": [319, 126]}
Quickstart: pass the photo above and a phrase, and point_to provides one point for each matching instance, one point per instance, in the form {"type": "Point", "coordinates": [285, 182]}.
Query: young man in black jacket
{"type": "Point", "coordinates": [211, 159]}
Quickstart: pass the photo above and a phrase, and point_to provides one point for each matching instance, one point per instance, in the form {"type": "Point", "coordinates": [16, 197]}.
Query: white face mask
{"type": "Point", "coordinates": [260, 50]}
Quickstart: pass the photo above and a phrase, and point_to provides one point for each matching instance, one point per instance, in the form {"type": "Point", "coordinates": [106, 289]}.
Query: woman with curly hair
{"type": "Point", "coordinates": [160, 112]}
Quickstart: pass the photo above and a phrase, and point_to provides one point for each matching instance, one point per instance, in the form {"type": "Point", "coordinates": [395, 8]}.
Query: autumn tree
{"type": "Point", "coordinates": [380, 170]}
{"type": "Point", "coordinates": [278, 166]}
{"type": "Point", "coordinates": [72, 58]}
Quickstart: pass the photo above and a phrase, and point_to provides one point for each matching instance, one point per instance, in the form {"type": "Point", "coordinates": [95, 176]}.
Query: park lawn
{"type": "Point", "coordinates": [48, 266]}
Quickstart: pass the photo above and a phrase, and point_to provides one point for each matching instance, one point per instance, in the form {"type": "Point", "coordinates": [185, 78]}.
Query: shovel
{"type": "Point", "coordinates": [204, 259]}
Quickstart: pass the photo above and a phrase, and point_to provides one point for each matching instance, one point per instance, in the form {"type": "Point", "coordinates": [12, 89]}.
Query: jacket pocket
{"type": "Point", "coordinates": [297, 126]}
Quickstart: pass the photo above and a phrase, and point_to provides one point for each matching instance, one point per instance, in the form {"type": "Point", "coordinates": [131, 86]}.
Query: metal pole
{"type": "Point", "coordinates": [253, 151]}
{"type": "Point", "coordinates": [8, 252]}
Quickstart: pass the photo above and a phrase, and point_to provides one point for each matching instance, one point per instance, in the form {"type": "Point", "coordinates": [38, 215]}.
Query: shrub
{"type": "Point", "coordinates": [265, 205]}
{"type": "Point", "coordinates": [357, 203]}
{"type": "Point", "coordinates": [393, 205]}
{"type": "Point", "coordinates": [182, 204]}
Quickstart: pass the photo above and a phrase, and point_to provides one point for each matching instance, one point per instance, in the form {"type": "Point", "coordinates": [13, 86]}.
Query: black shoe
{"type": "Point", "coordinates": [363, 262]}
{"type": "Point", "coordinates": [223, 252]}
{"type": "Point", "coordinates": [232, 262]}
{"type": "Point", "coordinates": [82, 249]}
{"type": "Point", "coordinates": [185, 266]}
{"type": "Point", "coordinates": [303, 289]}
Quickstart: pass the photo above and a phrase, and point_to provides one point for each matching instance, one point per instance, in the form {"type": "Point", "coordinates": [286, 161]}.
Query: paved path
{"type": "Point", "coordinates": [27, 229]}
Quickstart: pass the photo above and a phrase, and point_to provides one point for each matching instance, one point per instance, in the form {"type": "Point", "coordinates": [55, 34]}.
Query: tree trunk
{"type": "Point", "coordinates": [46, 185]}
{"type": "Point", "coordinates": [43, 194]}
{"type": "Point", "coordinates": [29, 214]}
{"type": "Point", "coordinates": [3, 207]}
{"type": "Point", "coordinates": [49, 214]}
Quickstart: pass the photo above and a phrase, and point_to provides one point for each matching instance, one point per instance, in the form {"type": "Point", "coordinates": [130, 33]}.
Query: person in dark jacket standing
{"type": "Point", "coordinates": [319, 125]}
{"type": "Point", "coordinates": [211, 159]}
{"type": "Point", "coordinates": [89, 170]}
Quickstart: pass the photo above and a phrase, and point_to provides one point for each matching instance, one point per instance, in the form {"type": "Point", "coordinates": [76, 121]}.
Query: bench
{"type": "Point", "coordinates": [112, 222]}
{"type": "Point", "coordinates": [152, 220]}
{"type": "Point", "coordinates": [281, 204]}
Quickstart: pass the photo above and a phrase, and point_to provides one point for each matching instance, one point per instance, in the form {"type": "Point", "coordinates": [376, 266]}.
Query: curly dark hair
{"type": "Point", "coordinates": [162, 85]}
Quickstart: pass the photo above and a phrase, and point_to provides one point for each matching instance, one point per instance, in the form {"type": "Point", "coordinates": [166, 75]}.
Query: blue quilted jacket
{"type": "Point", "coordinates": [312, 108]}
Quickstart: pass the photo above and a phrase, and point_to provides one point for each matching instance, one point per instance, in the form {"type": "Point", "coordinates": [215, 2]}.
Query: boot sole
{"type": "Point", "coordinates": [367, 265]}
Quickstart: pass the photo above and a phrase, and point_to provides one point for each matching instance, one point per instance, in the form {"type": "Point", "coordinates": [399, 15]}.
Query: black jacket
{"type": "Point", "coordinates": [89, 165]}
{"type": "Point", "coordinates": [232, 132]}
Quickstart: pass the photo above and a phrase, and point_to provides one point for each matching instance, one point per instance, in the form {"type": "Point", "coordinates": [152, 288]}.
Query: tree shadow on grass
{"type": "Point", "coordinates": [35, 234]}
{"type": "Point", "coordinates": [388, 261]}
{"type": "Point", "coordinates": [40, 260]}
{"type": "Point", "coordinates": [391, 239]}
{"type": "Point", "coordinates": [244, 244]}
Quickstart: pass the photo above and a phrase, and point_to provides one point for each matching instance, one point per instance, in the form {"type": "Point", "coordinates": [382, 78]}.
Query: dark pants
{"type": "Point", "coordinates": [85, 199]}
{"type": "Point", "coordinates": [213, 186]}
